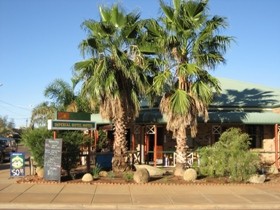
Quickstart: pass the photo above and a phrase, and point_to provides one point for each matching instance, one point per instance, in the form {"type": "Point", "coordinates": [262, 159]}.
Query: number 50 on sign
{"type": "Point", "coordinates": [17, 164]}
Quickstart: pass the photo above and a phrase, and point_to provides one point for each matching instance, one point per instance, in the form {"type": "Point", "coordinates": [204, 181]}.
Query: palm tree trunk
{"type": "Point", "coordinates": [181, 151]}
{"type": "Point", "coordinates": [119, 161]}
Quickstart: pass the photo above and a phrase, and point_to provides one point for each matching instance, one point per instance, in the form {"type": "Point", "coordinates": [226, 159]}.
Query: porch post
{"type": "Point", "coordinates": [155, 146]}
{"type": "Point", "coordinates": [142, 145]}
{"type": "Point", "coordinates": [276, 131]}
{"type": "Point", "coordinates": [95, 137]}
{"type": "Point", "coordinates": [146, 148]}
{"type": "Point", "coordinates": [133, 140]}
{"type": "Point", "coordinates": [89, 151]}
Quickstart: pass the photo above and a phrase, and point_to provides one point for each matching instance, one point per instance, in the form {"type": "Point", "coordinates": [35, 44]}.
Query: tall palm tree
{"type": "Point", "coordinates": [61, 93]}
{"type": "Point", "coordinates": [63, 99]}
{"type": "Point", "coordinates": [41, 113]}
{"type": "Point", "coordinates": [114, 74]}
{"type": "Point", "coordinates": [190, 45]}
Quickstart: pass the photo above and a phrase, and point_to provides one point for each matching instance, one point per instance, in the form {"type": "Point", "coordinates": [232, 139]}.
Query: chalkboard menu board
{"type": "Point", "coordinates": [52, 159]}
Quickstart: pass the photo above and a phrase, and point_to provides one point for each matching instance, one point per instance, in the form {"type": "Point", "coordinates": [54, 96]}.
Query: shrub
{"type": "Point", "coordinates": [70, 149]}
{"type": "Point", "coordinates": [128, 176]}
{"type": "Point", "coordinates": [230, 156]}
{"type": "Point", "coordinates": [103, 143]}
{"type": "Point", "coordinates": [95, 171]}
{"type": "Point", "coordinates": [111, 175]}
{"type": "Point", "coordinates": [34, 140]}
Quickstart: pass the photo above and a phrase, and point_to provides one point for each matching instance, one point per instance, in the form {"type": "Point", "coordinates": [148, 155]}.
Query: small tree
{"type": "Point", "coordinates": [103, 143]}
{"type": "Point", "coordinates": [71, 149]}
{"type": "Point", "coordinates": [230, 156]}
{"type": "Point", "coordinates": [34, 140]}
{"type": "Point", "coordinates": [6, 125]}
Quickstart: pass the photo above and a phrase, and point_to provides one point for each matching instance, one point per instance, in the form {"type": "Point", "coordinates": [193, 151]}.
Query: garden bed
{"type": "Point", "coordinates": [167, 178]}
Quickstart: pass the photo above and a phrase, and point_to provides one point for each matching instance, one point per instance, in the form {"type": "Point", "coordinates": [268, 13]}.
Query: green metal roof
{"type": "Point", "coordinates": [239, 102]}
{"type": "Point", "coordinates": [242, 94]}
{"type": "Point", "coordinates": [149, 116]}
{"type": "Point", "coordinates": [153, 116]}
{"type": "Point", "coordinates": [264, 118]}
{"type": "Point", "coordinates": [98, 119]}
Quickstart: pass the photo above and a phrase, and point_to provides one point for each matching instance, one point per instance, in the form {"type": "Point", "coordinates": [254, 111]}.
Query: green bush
{"type": "Point", "coordinates": [70, 148]}
{"type": "Point", "coordinates": [128, 176]}
{"type": "Point", "coordinates": [111, 175]}
{"type": "Point", "coordinates": [230, 156]}
{"type": "Point", "coordinates": [96, 170]}
{"type": "Point", "coordinates": [34, 140]}
{"type": "Point", "coordinates": [103, 142]}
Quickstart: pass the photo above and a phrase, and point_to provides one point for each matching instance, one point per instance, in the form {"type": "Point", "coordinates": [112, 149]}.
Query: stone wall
{"type": "Point", "coordinates": [267, 153]}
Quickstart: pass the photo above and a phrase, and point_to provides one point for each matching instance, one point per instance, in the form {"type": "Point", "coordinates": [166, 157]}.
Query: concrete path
{"type": "Point", "coordinates": [133, 196]}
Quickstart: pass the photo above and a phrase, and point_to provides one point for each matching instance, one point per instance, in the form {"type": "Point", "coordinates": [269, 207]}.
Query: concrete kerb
{"type": "Point", "coordinates": [138, 207]}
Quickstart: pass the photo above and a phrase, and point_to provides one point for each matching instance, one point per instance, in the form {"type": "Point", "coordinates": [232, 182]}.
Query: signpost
{"type": "Point", "coordinates": [52, 159]}
{"type": "Point", "coordinates": [68, 121]}
{"type": "Point", "coordinates": [17, 164]}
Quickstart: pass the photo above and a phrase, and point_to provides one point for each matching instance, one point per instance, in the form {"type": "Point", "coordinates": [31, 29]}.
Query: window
{"type": "Point", "coordinates": [256, 135]}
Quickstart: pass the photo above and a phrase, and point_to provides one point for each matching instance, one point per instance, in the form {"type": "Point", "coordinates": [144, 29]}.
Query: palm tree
{"type": "Point", "coordinates": [41, 113]}
{"type": "Point", "coordinates": [63, 99]}
{"type": "Point", "coordinates": [61, 93]}
{"type": "Point", "coordinates": [114, 74]}
{"type": "Point", "coordinates": [189, 45]}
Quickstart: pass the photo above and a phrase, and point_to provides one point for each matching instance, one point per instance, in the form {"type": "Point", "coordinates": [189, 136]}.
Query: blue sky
{"type": "Point", "coordinates": [39, 43]}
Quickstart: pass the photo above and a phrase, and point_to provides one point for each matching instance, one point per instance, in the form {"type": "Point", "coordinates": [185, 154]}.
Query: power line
{"type": "Point", "coordinates": [11, 111]}
{"type": "Point", "coordinates": [8, 109]}
{"type": "Point", "coordinates": [20, 107]}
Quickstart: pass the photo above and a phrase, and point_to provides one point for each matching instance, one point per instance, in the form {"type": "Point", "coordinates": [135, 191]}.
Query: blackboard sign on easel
{"type": "Point", "coordinates": [52, 159]}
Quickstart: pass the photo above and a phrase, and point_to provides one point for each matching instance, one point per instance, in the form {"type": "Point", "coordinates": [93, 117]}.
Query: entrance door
{"type": "Point", "coordinates": [154, 142]}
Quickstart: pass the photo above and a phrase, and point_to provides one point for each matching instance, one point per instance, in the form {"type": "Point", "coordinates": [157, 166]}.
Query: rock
{"type": "Point", "coordinates": [103, 173]}
{"type": "Point", "coordinates": [87, 177]}
{"type": "Point", "coordinates": [190, 175]}
{"type": "Point", "coordinates": [273, 170]}
{"type": "Point", "coordinates": [257, 179]}
{"type": "Point", "coordinates": [40, 172]}
{"type": "Point", "coordinates": [153, 171]}
{"type": "Point", "coordinates": [141, 176]}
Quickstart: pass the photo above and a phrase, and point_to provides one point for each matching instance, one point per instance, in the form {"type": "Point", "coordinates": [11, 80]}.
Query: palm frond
{"type": "Point", "coordinates": [179, 102]}
{"type": "Point", "coordinates": [168, 11]}
{"type": "Point", "coordinates": [105, 14]}
{"type": "Point", "coordinates": [187, 70]}
{"type": "Point", "coordinates": [117, 17]}
{"type": "Point", "coordinates": [160, 80]}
